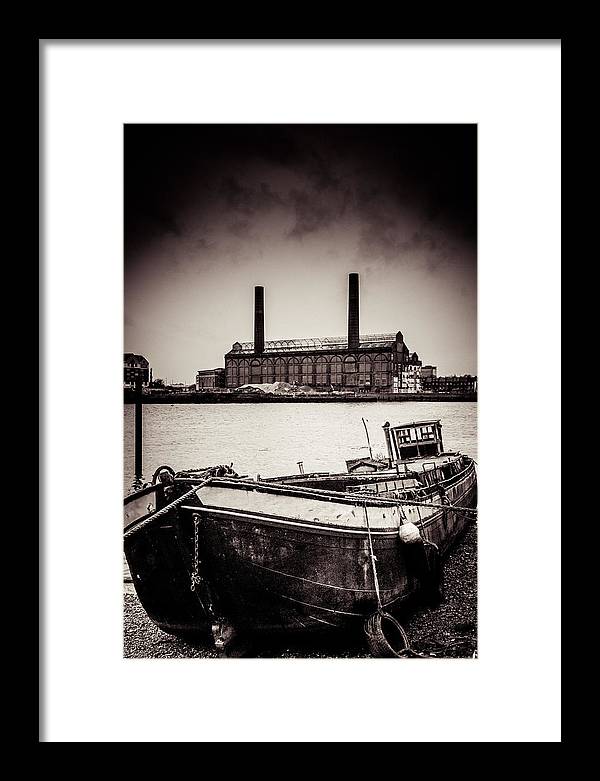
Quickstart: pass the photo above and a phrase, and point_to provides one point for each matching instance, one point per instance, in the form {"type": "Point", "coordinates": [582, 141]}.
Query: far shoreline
{"type": "Point", "coordinates": [263, 398]}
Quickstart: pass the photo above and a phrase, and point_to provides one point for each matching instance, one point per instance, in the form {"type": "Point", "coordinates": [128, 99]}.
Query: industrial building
{"type": "Point", "coordinates": [428, 372]}
{"type": "Point", "coordinates": [210, 378]}
{"type": "Point", "coordinates": [464, 384]}
{"type": "Point", "coordinates": [375, 362]}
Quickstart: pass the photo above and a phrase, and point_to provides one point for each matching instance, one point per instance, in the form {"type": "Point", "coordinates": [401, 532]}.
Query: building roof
{"type": "Point", "coordinates": [136, 359]}
{"type": "Point", "coordinates": [417, 423]}
{"type": "Point", "coordinates": [319, 343]}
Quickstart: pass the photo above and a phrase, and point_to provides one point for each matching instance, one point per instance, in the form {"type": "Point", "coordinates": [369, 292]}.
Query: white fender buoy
{"type": "Point", "coordinates": [409, 533]}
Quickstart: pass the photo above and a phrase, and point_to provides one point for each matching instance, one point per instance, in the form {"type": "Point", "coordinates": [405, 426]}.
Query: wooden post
{"type": "Point", "coordinates": [138, 427]}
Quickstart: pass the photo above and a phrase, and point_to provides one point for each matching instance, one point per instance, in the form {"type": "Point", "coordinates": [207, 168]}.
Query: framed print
{"type": "Point", "coordinates": [291, 293]}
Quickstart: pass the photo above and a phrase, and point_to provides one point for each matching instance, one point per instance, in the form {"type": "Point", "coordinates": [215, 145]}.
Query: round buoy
{"type": "Point", "coordinates": [409, 533]}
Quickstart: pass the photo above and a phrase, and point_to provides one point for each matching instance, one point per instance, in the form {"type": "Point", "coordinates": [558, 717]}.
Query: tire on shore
{"type": "Point", "coordinates": [386, 638]}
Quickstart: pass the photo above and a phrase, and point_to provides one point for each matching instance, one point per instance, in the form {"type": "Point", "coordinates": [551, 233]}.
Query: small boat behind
{"type": "Point", "coordinates": [212, 552]}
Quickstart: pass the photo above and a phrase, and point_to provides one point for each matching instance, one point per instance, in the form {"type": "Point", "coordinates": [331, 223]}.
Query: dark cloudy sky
{"type": "Point", "coordinates": [212, 210]}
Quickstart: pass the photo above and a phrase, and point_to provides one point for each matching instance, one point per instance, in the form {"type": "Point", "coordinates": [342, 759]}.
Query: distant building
{"type": "Point", "coordinates": [428, 372]}
{"type": "Point", "coordinates": [178, 387]}
{"type": "Point", "coordinates": [374, 362]}
{"type": "Point", "coordinates": [135, 366]}
{"type": "Point", "coordinates": [465, 383]}
{"type": "Point", "coordinates": [410, 377]}
{"type": "Point", "coordinates": [210, 378]}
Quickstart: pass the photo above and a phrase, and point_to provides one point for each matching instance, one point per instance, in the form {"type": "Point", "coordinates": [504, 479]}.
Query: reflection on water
{"type": "Point", "coordinates": [270, 439]}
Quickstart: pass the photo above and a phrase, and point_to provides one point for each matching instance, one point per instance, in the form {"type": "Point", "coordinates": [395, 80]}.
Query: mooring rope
{"type": "Point", "coordinates": [373, 560]}
{"type": "Point", "coordinates": [439, 505]}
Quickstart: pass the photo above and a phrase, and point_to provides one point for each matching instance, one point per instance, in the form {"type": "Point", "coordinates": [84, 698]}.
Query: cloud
{"type": "Point", "coordinates": [248, 200]}
{"type": "Point", "coordinates": [240, 228]}
{"type": "Point", "coordinates": [311, 215]}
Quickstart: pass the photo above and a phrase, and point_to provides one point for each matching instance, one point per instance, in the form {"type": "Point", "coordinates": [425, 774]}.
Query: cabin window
{"type": "Point", "coordinates": [404, 436]}
{"type": "Point", "coordinates": [409, 452]}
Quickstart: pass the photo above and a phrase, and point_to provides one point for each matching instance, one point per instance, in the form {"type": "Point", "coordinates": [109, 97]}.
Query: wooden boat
{"type": "Point", "coordinates": [210, 551]}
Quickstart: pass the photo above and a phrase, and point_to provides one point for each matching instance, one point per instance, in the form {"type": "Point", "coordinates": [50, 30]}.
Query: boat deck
{"type": "Point", "coordinates": [416, 465]}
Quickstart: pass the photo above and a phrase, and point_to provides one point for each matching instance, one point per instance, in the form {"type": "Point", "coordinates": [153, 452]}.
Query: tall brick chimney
{"type": "Point", "coordinates": [259, 319]}
{"type": "Point", "coordinates": [353, 303]}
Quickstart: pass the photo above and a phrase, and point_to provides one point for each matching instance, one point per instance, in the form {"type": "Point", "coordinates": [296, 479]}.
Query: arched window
{"type": "Point", "coordinates": [336, 370]}
{"type": "Point", "coordinates": [280, 370]}
{"type": "Point", "coordinates": [256, 371]}
{"type": "Point", "coordinates": [233, 372]}
{"type": "Point", "coordinates": [350, 372]}
{"type": "Point", "coordinates": [269, 370]}
{"type": "Point", "coordinates": [306, 369]}
{"type": "Point", "coordinates": [294, 370]}
{"type": "Point", "coordinates": [364, 371]}
{"type": "Point", "coordinates": [321, 371]}
{"type": "Point", "coordinates": [382, 370]}
{"type": "Point", "coordinates": [244, 372]}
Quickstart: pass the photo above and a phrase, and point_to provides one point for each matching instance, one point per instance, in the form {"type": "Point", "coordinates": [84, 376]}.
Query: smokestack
{"type": "Point", "coordinates": [259, 319]}
{"type": "Point", "coordinates": [353, 301]}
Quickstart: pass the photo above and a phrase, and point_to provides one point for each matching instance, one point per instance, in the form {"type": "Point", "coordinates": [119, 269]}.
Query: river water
{"type": "Point", "coordinates": [270, 439]}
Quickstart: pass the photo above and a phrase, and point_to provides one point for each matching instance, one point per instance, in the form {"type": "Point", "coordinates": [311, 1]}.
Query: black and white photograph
{"type": "Point", "coordinates": [299, 301]}
{"type": "Point", "coordinates": [300, 391]}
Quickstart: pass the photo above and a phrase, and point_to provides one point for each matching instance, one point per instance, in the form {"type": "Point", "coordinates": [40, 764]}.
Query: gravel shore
{"type": "Point", "coordinates": [448, 631]}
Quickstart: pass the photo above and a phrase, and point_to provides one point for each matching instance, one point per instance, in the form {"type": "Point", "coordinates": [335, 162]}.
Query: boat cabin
{"type": "Point", "coordinates": [419, 439]}
{"type": "Point", "coordinates": [366, 465]}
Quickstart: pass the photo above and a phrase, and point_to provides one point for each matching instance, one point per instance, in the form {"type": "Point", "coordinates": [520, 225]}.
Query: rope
{"type": "Point", "coordinates": [412, 503]}
{"type": "Point", "coordinates": [160, 513]}
{"type": "Point", "coordinates": [373, 560]}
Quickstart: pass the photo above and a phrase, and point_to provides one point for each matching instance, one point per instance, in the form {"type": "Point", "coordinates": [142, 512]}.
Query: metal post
{"type": "Point", "coordinates": [138, 427]}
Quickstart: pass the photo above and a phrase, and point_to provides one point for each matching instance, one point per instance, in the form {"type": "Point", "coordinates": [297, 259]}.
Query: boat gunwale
{"type": "Point", "coordinates": [357, 499]}
{"type": "Point", "coordinates": [141, 492]}
{"type": "Point", "coordinates": [332, 529]}
{"type": "Point", "coordinates": [280, 520]}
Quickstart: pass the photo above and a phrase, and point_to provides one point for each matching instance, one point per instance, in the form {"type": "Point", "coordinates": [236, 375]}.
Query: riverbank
{"type": "Point", "coordinates": [448, 631]}
{"type": "Point", "coordinates": [207, 397]}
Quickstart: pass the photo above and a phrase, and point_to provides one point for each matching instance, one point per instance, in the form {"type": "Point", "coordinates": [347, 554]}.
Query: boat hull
{"type": "Point", "coordinates": [273, 573]}
{"type": "Point", "coordinates": [266, 566]}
